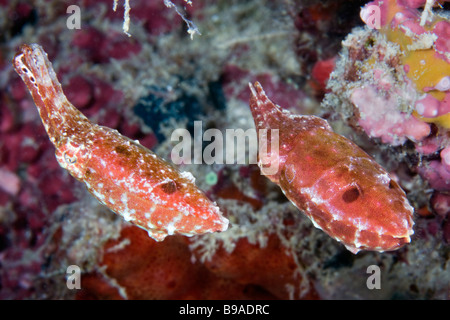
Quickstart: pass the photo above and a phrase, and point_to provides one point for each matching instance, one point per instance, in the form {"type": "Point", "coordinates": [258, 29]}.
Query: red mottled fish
{"type": "Point", "coordinates": [334, 182]}
{"type": "Point", "coordinates": [122, 174]}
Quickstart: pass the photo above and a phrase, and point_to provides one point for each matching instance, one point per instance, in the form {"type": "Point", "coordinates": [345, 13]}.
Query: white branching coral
{"type": "Point", "coordinates": [126, 15]}
{"type": "Point", "coordinates": [427, 14]}
{"type": "Point", "coordinates": [192, 28]}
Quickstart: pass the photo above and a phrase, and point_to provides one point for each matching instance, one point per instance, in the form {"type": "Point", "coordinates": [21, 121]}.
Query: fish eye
{"type": "Point", "coordinates": [351, 195]}
{"type": "Point", "coordinates": [393, 184]}
{"type": "Point", "coordinates": [70, 160]}
{"type": "Point", "coordinates": [169, 187]}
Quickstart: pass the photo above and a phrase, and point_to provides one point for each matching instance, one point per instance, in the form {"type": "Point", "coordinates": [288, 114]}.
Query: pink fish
{"type": "Point", "coordinates": [120, 173]}
{"type": "Point", "coordinates": [334, 182]}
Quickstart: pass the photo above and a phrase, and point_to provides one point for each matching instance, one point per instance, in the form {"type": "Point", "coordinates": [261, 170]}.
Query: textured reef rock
{"type": "Point", "coordinates": [48, 221]}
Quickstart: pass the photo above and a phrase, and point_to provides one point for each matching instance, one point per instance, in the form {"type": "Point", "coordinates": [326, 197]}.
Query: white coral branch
{"type": "Point", "coordinates": [192, 28]}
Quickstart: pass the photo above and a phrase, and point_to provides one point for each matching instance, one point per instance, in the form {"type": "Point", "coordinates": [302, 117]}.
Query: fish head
{"type": "Point", "coordinates": [364, 207]}
{"type": "Point", "coordinates": [73, 157]}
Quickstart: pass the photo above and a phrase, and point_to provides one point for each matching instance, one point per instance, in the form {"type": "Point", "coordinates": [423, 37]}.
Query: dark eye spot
{"type": "Point", "coordinates": [393, 184]}
{"type": "Point", "coordinates": [25, 70]}
{"type": "Point", "coordinates": [122, 150]}
{"type": "Point", "coordinates": [169, 187]}
{"type": "Point", "coordinates": [351, 195]}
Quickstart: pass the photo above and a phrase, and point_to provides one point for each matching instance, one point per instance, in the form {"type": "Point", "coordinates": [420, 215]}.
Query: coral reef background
{"type": "Point", "coordinates": [159, 80]}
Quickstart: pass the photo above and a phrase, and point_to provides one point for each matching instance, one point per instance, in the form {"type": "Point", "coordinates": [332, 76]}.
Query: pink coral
{"type": "Point", "coordinates": [428, 106]}
{"type": "Point", "coordinates": [320, 74]}
{"type": "Point", "coordinates": [379, 117]}
{"type": "Point", "coordinates": [10, 182]}
{"type": "Point", "coordinates": [397, 83]}
{"type": "Point", "coordinates": [438, 172]}
{"type": "Point", "coordinates": [424, 42]}
{"type": "Point", "coordinates": [445, 156]}
{"type": "Point", "coordinates": [437, 175]}
{"type": "Point", "coordinates": [442, 31]}
{"type": "Point", "coordinates": [440, 202]}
